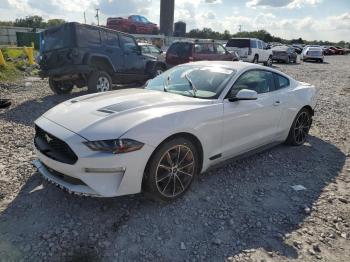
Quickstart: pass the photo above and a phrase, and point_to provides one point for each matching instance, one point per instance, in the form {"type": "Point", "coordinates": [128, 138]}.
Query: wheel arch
{"type": "Point", "coordinates": [187, 135]}
{"type": "Point", "coordinates": [309, 108]}
{"type": "Point", "coordinates": [101, 62]}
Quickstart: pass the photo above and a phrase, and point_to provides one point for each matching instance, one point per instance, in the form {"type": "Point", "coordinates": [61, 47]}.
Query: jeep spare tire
{"type": "Point", "coordinates": [60, 87]}
{"type": "Point", "coordinates": [99, 81]}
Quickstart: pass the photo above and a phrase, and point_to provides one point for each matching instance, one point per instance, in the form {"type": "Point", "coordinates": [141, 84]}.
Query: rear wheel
{"type": "Point", "coordinates": [288, 60]}
{"type": "Point", "coordinates": [60, 87]}
{"type": "Point", "coordinates": [269, 61]}
{"type": "Point", "coordinates": [300, 128]}
{"type": "Point", "coordinates": [99, 81]}
{"type": "Point", "coordinates": [256, 59]}
{"type": "Point", "coordinates": [171, 169]}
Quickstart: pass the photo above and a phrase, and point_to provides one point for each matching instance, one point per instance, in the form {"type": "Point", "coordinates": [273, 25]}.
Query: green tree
{"type": "Point", "coordinates": [55, 22]}
{"type": "Point", "coordinates": [30, 21]}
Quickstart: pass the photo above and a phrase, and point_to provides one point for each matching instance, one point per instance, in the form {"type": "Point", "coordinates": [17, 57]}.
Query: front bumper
{"type": "Point", "coordinates": [124, 171]}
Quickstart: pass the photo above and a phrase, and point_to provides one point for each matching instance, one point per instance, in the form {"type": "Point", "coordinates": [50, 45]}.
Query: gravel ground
{"type": "Point", "coordinates": [244, 210]}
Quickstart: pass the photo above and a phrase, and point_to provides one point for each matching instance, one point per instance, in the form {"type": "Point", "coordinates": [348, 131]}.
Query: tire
{"type": "Point", "coordinates": [59, 87]}
{"type": "Point", "coordinates": [256, 59]}
{"type": "Point", "coordinates": [4, 103]}
{"type": "Point", "coordinates": [300, 128]}
{"type": "Point", "coordinates": [288, 60]}
{"type": "Point", "coordinates": [158, 69]}
{"type": "Point", "coordinates": [163, 172]}
{"type": "Point", "coordinates": [269, 61]}
{"type": "Point", "coordinates": [321, 61]}
{"type": "Point", "coordinates": [99, 81]}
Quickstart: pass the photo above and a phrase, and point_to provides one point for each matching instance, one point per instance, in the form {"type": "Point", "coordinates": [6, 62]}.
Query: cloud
{"type": "Point", "coordinates": [283, 3]}
{"type": "Point", "coordinates": [213, 1]}
{"type": "Point", "coordinates": [209, 15]}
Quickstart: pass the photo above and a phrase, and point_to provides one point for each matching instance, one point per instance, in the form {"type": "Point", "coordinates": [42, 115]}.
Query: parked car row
{"type": "Point", "coordinates": [81, 55]}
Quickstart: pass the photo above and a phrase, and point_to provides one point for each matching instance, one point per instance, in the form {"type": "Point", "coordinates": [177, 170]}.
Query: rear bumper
{"type": "Point", "coordinates": [65, 70]}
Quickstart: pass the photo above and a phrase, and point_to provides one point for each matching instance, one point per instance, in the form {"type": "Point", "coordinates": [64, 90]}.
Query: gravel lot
{"type": "Point", "coordinates": [244, 210]}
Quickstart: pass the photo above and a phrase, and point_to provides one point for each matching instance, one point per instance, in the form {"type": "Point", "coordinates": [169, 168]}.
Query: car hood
{"type": "Point", "coordinates": [111, 114]}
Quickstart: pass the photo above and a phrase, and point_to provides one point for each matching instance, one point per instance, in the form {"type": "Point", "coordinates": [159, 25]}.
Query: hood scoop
{"type": "Point", "coordinates": [123, 106]}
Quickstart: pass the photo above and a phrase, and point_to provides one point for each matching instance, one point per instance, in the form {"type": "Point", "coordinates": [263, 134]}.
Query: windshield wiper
{"type": "Point", "coordinates": [193, 87]}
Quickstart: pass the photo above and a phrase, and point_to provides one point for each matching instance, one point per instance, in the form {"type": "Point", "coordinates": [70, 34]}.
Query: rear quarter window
{"type": "Point", "coordinates": [88, 36]}
{"type": "Point", "coordinates": [281, 81]}
{"type": "Point", "coordinates": [254, 44]}
{"type": "Point", "coordinates": [240, 43]}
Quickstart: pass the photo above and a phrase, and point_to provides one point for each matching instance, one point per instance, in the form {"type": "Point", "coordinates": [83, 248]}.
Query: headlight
{"type": "Point", "coordinates": [114, 146]}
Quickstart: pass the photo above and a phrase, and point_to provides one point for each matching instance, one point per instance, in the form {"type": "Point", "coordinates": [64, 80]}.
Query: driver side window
{"type": "Point", "coordinates": [129, 43]}
{"type": "Point", "coordinates": [257, 80]}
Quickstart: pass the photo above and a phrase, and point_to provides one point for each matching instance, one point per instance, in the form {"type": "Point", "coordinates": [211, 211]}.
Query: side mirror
{"type": "Point", "coordinates": [244, 94]}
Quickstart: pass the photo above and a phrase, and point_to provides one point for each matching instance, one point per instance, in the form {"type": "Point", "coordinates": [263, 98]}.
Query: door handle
{"type": "Point", "coordinates": [277, 103]}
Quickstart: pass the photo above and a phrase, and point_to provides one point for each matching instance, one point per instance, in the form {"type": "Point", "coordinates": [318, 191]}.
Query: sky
{"type": "Point", "coordinates": [309, 19]}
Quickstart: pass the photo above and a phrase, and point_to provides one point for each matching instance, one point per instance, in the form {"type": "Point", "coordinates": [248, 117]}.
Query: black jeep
{"type": "Point", "coordinates": [80, 55]}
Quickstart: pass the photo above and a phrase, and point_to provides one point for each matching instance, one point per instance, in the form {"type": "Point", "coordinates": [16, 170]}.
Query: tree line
{"type": "Point", "coordinates": [205, 33]}
{"type": "Point", "coordinates": [33, 22]}
{"type": "Point", "coordinates": [208, 33]}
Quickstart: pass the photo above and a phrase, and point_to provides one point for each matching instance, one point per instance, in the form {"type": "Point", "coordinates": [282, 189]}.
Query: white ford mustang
{"type": "Point", "coordinates": [158, 138]}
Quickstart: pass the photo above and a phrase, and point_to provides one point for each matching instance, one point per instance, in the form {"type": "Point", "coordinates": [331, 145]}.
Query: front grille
{"type": "Point", "coordinates": [53, 147]}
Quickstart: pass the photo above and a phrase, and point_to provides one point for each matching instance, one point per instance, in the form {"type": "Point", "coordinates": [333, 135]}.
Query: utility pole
{"type": "Point", "coordinates": [97, 16]}
{"type": "Point", "coordinates": [239, 28]}
{"type": "Point", "coordinates": [84, 18]}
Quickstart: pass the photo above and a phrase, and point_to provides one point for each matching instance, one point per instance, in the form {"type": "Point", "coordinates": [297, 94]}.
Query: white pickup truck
{"type": "Point", "coordinates": [251, 50]}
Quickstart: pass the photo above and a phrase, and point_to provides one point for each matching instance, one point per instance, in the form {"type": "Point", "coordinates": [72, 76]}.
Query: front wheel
{"type": "Point", "coordinates": [60, 87]}
{"type": "Point", "coordinates": [300, 128]}
{"type": "Point", "coordinates": [269, 61]}
{"type": "Point", "coordinates": [171, 169]}
{"type": "Point", "coordinates": [99, 81]}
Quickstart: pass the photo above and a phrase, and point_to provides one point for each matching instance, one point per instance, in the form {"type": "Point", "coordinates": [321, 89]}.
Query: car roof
{"type": "Point", "coordinates": [280, 47]}
{"type": "Point", "coordinates": [238, 66]}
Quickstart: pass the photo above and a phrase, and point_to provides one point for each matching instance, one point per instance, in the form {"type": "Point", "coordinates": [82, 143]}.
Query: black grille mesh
{"type": "Point", "coordinates": [53, 147]}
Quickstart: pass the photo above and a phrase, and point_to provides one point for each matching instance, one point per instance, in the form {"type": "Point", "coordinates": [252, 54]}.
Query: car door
{"type": "Point", "coordinates": [110, 43]}
{"type": "Point", "coordinates": [249, 124]}
{"type": "Point", "coordinates": [134, 62]}
{"type": "Point", "coordinates": [204, 51]}
{"type": "Point", "coordinates": [222, 54]}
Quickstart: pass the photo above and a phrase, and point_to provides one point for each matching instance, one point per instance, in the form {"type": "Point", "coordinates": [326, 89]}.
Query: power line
{"type": "Point", "coordinates": [97, 16]}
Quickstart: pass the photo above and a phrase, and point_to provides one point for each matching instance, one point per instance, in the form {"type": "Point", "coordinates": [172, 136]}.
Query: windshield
{"type": "Point", "coordinates": [192, 80]}
{"type": "Point", "coordinates": [58, 37]}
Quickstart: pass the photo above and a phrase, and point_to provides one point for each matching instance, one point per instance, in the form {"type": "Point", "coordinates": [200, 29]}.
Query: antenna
{"type": "Point", "coordinates": [97, 16]}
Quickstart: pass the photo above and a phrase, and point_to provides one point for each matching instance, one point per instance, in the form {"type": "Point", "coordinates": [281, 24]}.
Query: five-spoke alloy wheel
{"type": "Point", "coordinates": [172, 169]}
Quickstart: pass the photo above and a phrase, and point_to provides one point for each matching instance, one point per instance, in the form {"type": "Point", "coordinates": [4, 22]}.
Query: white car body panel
{"type": "Point", "coordinates": [223, 128]}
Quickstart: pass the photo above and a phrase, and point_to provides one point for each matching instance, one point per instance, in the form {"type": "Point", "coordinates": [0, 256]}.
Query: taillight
{"type": "Point", "coordinates": [250, 51]}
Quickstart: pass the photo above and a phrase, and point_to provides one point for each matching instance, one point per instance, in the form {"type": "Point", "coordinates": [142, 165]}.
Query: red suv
{"type": "Point", "coordinates": [184, 52]}
{"type": "Point", "coordinates": [134, 24]}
